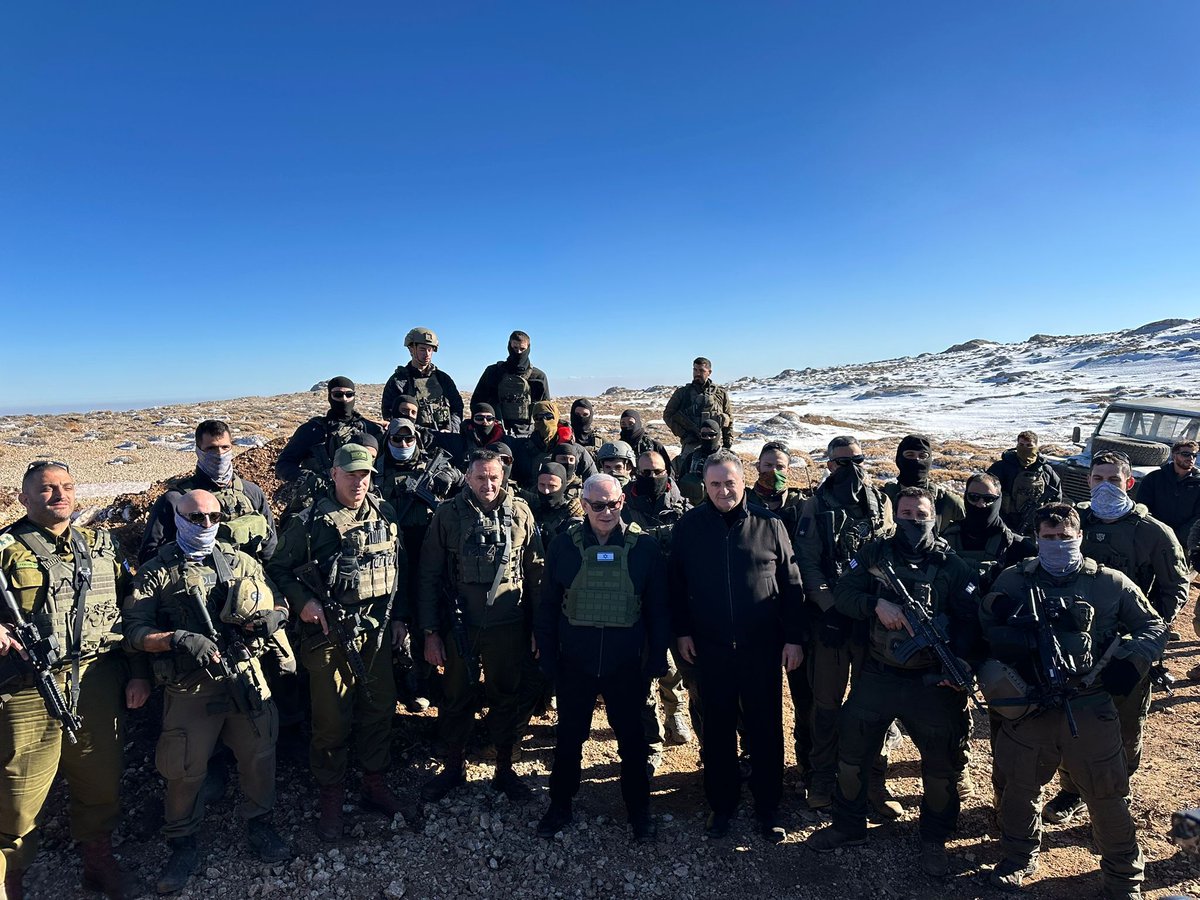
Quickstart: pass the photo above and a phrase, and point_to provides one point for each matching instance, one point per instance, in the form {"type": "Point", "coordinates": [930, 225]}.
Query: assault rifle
{"type": "Point", "coordinates": [458, 633]}
{"type": "Point", "coordinates": [341, 622]}
{"type": "Point", "coordinates": [43, 654]}
{"type": "Point", "coordinates": [1053, 675]}
{"type": "Point", "coordinates": [420, 488]}
{"type": "Point", "coordinates": [243, 691]}
{"type": "Point", "coordinates": [929, 633]}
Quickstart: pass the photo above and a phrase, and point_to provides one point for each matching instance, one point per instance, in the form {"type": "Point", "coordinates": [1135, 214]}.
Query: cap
{"type": "Point", "coordinates": [396, 425]}
{"type": "Point", "coordinates": [353, 458]}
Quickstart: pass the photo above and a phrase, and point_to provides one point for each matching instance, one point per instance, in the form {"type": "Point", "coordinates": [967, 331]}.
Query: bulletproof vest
{"type": "Point", "coordinates": [433, 407]}
{"type": "Point", "coordinates": [243, 527]}
{"type": "Point", "coordinates": [373, 541]}
{"type": "Point", "coordinates": [337, 434]}
{"type": "Point", "coordinates": [515, 397]}
{"type": "Point", "coordinates": [985, 559]}
{"type": "Point", "coordinates": [602, 593]}
{"type": "Point", "coordinates": [845, 529]}
{"type": "Point", "coordinates": [920, 584]}
{"type": "Point", "coordinates": [481, 548]}
{"type": "Point", "coordinates": [94, 568]}
{"type": "Point", "coordinates": [392, 488]}
{"type": "Point", "coordinates": [1114, 544]}
{"type": "Point", "coordinates": [1022, 499]}
{"type": "Point", "coordinates": [705, 404]}
{"type": "Point", "coordinates": [1070, 612]}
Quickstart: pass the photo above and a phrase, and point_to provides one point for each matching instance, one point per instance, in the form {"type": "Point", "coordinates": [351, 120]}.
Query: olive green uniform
{"type": "Point", "coordinates": [690, 405]}
{"type": "Point", "coordinates": [369, 539]}
{"type": "Point", "coordinates": [44, 576]}
{"type": "Point", "coordinates": [947, 505]}
{"type": "Point", "coordinates": [461, 558]}
{"type": "Point", "coordinates": [204, 705]}
{"type": "Point", "coordinates": [1099, 604]}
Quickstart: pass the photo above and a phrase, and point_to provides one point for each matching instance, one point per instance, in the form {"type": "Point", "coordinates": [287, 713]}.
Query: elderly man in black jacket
{"type": "Point", "coordinates": [737, 607]}
{"type": "Point", "coordinates": [601, 628]}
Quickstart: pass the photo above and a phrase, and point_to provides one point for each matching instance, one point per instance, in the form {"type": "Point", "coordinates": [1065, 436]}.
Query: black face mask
{"type": "Point", "coordinates": [553, 500]}
{"type": "Point", "coordinates": [916, 538]}
{"type": "Point", "coordinates": [581, 426]}
{"type": "Point", "coordinates": [982, 518]}
{"type": "Point", "coordinates": [518, 361]}
{"type": "Point", "coordinates": [341, 409]}
{"type": "Point", "coordinates": [913, 472]}
{"type": "Point", "coordinates": [650, 485]}
{"type": "Point", "coordinates": [710, 445]}
{"type": "Point", "coordinates": [846, 482]}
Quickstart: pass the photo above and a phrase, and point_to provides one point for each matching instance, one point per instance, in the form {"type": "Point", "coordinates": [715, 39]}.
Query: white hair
{"type": "Point", "coordinates": [598, 479]}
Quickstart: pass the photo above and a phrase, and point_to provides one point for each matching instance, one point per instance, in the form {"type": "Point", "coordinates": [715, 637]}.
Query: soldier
{"type": "Point", "coordinates": [1027, 482]}
{"type": "Point", "coordinates": [310, 450]}
{"type": "Point", "coordinates": [911, 688]}
{"type": "Point", "coordinates": [553, 511]}
{"type": "Point", "coordinates": [914, 459]}
{"type": "Point", "coordinates": [1171, 493]}
{"type": "Point", "coordinates": [1086, 607]}
{"type": "Point", "coordinates": [480, 566]}
{"type": "Point", "coordinates": [845, 512]}
{"type": "Point", "coordinates": [570, 456]}
{"type": "Point", "coordinates": [342, 564]}
{"type": "Point", "coordinates": [736, 605]}
{"type": "Point", "coordinates": [512, 386]}
{"type": "Point", "coordinates": [204, 609]}
{"type": "Point", "coordinates": [616, 459]}
{"type": "Point", "coordinates": [247, 521]}
{"type": "Point", "coordinates": [633, 432]}
{"type": "Point", "coordinates": [55, 569]}
{"type": "Point", "coordinates": [583, 425]}
{"type": "Point", "coordinates": [693, 403]}
{"type": "Point", "coordinates": [439, 404]}
{"type": "Point", "coordinates": [482, 431]}
{"type": "Point", "coordinates": [1122, 535]}
{"type": "Point", "coordinates": [689, 466]}
{"type": "Point", "coordinates": [602, 630]}
{"type": "Point", "coordinates": [542, 445]}
{"type": "Point", "coordinates": [654, 504]}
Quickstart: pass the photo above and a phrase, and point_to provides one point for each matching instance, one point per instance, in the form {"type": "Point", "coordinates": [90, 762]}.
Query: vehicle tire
{"type": "Point", "coordinates": [1140, 453]}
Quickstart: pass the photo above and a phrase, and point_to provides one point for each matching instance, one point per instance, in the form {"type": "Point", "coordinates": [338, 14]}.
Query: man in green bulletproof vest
{"type": "Point", "coordinates": [342, 564]}
{"type": "Point", "coordinates": [62, 575]}
{"type": "Point", "coordinates": [695, 402]}
{"type": "Point", "coordinates": [439, 404]}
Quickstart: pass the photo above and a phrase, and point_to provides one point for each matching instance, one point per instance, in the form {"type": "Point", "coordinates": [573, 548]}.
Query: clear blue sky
{"type": "Point", "coordinates": [770, 184]}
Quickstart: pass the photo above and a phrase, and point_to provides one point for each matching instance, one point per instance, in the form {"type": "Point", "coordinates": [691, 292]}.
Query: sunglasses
{"type": "Point", "coordinates": [403, 439]}
{"type": "Point", "coordinates": [544, 417]}
{"type": "Point", "coordinates": [38, 464]}
{"type": "Point", "coordinates": [601, 505]}
{"type": "Point", "coordinates": [203, 518]}
{"type": "Point", "coordinates": [483, 418]}
{"type": "Point", "coordinates": [857, 460]}
{"type": "Point", "coordinates": [655, 472]}
{"type": "Point", "coordinates": [342, 395]}
{"type": "Point", "coordinates": [1186, 454]}
{"type": "Point", "coordinates": [973, 497]}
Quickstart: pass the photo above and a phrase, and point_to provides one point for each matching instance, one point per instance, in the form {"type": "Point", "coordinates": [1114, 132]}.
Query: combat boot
{"type": "Point", "coordinates": [829, 838]}
{"type": "Point", "coordinates": [265, 841]}
{"type": "Point", "coordinates": [679, 731]}
{"type": "Point", "coordinates": [185, 859]}
{"type": "Point", "coordinates": [820, 796]}
{"type": "Point", "coordinates": [1063, 808]}
{"type": "Point", "coordinates": [454, 773]}
{"type": "Point", "coordinates": [377, 796]}
{"type": "Point", "coordinates": [329, 822]}
{"type": "Point", "coordinates": [645, 831]}
{"type": "Point", "coordinates": [557, 817]}
{"type": "Point", "coordinates": [14, 884]}
{"type": "Point", "coordinates": [1010, 875]}
{"type": "Point", "coordinates": [101, 871]}
{"type": "Point", "coordinates": [505, 780]}
{"type": "Point", "coordinates": [934, 861]}
{"type": "Point", "coordinates": [884, 804]}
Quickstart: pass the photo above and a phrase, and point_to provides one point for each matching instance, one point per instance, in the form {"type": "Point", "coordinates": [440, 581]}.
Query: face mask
{"type": "Point", "coordinates": [916, 536]}
{"type": "Point", "coordinates": [650, 485]}
{"type": "Point", "coordinates": [341, 409]}
{"type": "Point", "coordinates": [195, 541]}
{"type": "Point", "coordinates": [776, 480]}
{"type": "Point", "coordinates": [518, 360]}
{"type": "Point", "coordinates": [981, 518]}
{"type": "Point", "coordinates": [581, 425]}
{"type": "Point", "coordinates": [1026, 454]}
{"type": "Point", "coordinates": [709, 445]}
{"type": "Point", "coordinates": [621, 479]}
{"type": "Point", "coordinates": [1109, 502]}
{"type": "Point", "coordinates": [913, 472]}
{"type": "Point", "coordinates": [553, 500]}
{"type": "Point", "coordinates": [1060, 558]}
{"type": "Point", "coordinates": [216, 465]}
{"type": "Point", "coordinates": [403, 453]}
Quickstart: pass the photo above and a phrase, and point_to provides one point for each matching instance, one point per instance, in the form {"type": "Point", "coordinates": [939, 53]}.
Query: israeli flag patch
{"type": "Point", "coordinates": [605, 556]}
{"type": "Point", "coordinates": [971, 588]}
{"type": "Point", "coordinates": [854, 563]}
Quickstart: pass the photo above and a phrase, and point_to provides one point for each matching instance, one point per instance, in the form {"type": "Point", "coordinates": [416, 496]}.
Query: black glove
{"type": "Point", "coordinates": [345, 577]}
{"type": "Point", "coordinates": [197, 646]}
{"type": "Point", "coordinates": [1119, 677]}
{"type": "Point", "coordinates": [834, 629]}
{"type": "Point", "coordinates": [267, 622]}
{"type": "Point", "coordinates": [443, 482]}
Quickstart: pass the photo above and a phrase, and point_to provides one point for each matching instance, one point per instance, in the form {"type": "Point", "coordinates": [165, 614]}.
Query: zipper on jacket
{"type": "Point", "coordinates": [729, 588]}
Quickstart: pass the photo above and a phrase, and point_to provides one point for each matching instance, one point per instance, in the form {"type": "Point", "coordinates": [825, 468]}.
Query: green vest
{"type": "Point", "coordinates": [433, 408]}
{"type": "Point", "coordinates": [922, 585]}
{"type": "Point", "coordinates": [244, 527]}
{"type": "Point", "coordinates": [482, 540]}
{"type": "Point", "coordinates": [845, 529]}
{"type": "Point", "coordinates": [1070, 611]}
{"type": "Point", "coordinates": [373, 541]}
{"type": "Point", "coordinates": [602, 593]}
{"type": "Point", "coordinates": [514, 397]}
{"type": "Point", "coordinates": [984, 560]}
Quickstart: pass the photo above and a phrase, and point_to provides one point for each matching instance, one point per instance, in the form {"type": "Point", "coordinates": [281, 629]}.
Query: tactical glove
{"type": "Point", "coordinates": [443, 482]}
{"type": "Point", "coordinates": [345, 577]}
{"type": "Point", "coordinates": [267, 622]}
{"type": "Point", "coordinates": [1119, 677]}
{"type": "Point", "coordinates": [834, 629]}
{"type": "Point", "coordinates": [197, 646]}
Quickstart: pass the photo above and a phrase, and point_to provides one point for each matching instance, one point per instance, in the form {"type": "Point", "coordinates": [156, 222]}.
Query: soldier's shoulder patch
{"type": "Point", "coordinates": [971, 587]}
{"type": "Point", "coordinates": [6, 541]}
{"type": "Point", "coordinates": [854, 563]}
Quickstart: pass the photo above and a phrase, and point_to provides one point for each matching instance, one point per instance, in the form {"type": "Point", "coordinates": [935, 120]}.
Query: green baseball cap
{"type": "Point", "coordinates": [353, 458]}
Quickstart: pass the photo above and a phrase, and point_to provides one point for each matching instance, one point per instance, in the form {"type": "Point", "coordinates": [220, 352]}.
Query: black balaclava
{"type": "Point", "coordinates": [846, 483]}
{"type": "Point", "coordinates": [517, 362]}
{"type": "Point", "coordinates": [583, 428]}
{"type": "Point", "coordinates": [916, 538]}
{"type": "Point", "coordinates": [503, 449]}
{"type": "Point", "coordinates": [914, 472]}
{"type": "Point", "coordinates": [981, 519]}
{"type": "Point", "coordinates": [650, 485]}
{"type": "Point", "coordinates": [713, 445]}
{"type": "Point", "coordinates": [555, 499]}
{"type": "Point", "coordinates": [340, 409]}
{"type": "Point", "coordinates": [633, 434]}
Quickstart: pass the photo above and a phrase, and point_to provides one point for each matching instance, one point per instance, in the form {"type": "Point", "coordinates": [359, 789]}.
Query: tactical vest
{"type": "Point", "coordinates": [337, 434]}
{"type": "Point", "coordinates": [243, 527]}
{"type": "Point", "coordinates": [1070, 615]}
{"type": "Point", "coordinates": [705, 405]}
{"type": "Point", "coordinates": [373, 541]}
{"type": "Point", "coordinates": [1023, 498]}
{"type": "Point", "coordinates": [93, 569]}
{"type": "Point", "coordinates": [984, 560]}
{"type": "Point", "coordinates": [416, 513]}
{"type": "Point", "coordinates": [602, 592]}
{"type": "Point", "coordinates": [919, 583]}
{"type": "Point", "coordinates": [433, 407]}
{"type": "Point", "coordinates": [481, 544]}
{"type": "Point", "coordinates": [845, 529]}
{"type": "Point", "coordinates": [515, 397]}
{"type": "Point", "coordinates": [1114, 544]}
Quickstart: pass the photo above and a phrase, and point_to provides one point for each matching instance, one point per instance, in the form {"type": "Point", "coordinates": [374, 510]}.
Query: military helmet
{"type": "Point", "coordinates": [617, 450]}
{"type": "Point", "coordinates": [1002, 687]}
{"type": "Point", "coordinates": [421, 336]}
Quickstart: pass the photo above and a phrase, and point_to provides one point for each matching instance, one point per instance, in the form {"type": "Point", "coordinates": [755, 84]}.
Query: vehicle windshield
{"type": "Point", "coordinates": [1145, 425]}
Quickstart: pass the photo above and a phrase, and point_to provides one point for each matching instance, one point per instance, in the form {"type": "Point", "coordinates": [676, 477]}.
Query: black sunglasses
{"type": "Point", "coordinates": [342, 395]}
{"type": "Point", "coordinates": [482, 418]}
{"type": "Point", "coordinates": [203, 518]}
{"type": "Point", "coordinates": [43, 463]}
{"type": "Point", "coordinates": [544, 417]}
{"type": "Point", "coordinates": [602, 505]}
{"type": "Point", "coordinates": [850, 460]}
{"type": "Point", "coordinates": [973, 497]}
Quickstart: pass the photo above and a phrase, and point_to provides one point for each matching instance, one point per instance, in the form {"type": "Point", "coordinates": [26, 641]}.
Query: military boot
{"type": "Point", "coordinates": [884, 805]}
{"type": "Point", "coordinates": [265, 841]}
{"type": "Point", "coordinates": [378, 797]}
{"type": "Point", "coordinates": [830, 838]}
{"type": "Point", "coordinates": [506, 780]}
{"type": "Point", "coordinates": [185, 859]}
{"type": "Point", "coordinates": [454, 773]}
{"type": "Point", "coordinates": [557, 817]}
{"type": "Point", "coordinates": [934, 861]}
{"type": "Point", "coordinates": [644, 829]}
{"type": "Point", "coordinates": [14, 884]}
{"type": "Point", "coordinates": [1010, 875]}
{"type": "Point", "coordinates": [101, 871]}
{"type": "Point", "coordinates": [329, 822]}
{"type": "Point", "coordinates": [1063, 808]}
{"type": "Point", "coordinates": [678, 729]}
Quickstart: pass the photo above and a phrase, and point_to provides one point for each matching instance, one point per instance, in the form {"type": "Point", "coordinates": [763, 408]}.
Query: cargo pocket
{"type": "Point", "coordinates": [1020, 762]}
{"type": "Point", "coordinates": [170, 757]}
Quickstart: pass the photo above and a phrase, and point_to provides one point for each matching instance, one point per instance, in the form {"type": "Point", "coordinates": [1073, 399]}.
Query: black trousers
{"type": "Point", "coordinates": [748, 680]}
{"type": "Point", "coordinates": [624, 692]}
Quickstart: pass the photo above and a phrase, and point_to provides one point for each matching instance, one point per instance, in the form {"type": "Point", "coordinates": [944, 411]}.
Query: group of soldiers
{"type": "Point", "coordinates": [511, 558]}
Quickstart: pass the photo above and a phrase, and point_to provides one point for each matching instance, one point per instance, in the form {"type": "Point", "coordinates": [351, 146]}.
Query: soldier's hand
{"type": "Point", "coordinates": [197, 646]}
{"type": "Point", "coordinates": [435, 650]}
{"type": "Point", "coordinates": [891, 615]}
{"type": "Point", "coordinates": [137, 692]}
{"type": "Point", "coordinates": [8, 642]}
{"type": "Point", "coordinates": [793, 656]}
{"type": "Point", "coordinates": [687, 648]}
{"type": "Point", "coordinates": [268, 621]}
{"type": "Point", "coordinates": [399, 633]}
{"type": "Point", "coordinates": [314, 613]}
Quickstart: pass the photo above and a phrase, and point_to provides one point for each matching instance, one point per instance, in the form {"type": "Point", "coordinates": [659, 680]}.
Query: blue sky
{"type": "Point", "coordinates": [214, 200]}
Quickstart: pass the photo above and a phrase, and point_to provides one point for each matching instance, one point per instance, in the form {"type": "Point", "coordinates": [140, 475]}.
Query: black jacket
{"type": "Point", "coordinates": [1007, 468]}
{"type": "Point", "coordinates": [461, 444]}
{"type": "Point", "coordinates": [488, 388]}
{"type": "Point", "coordinates": [1172, 500]}
{"type": "Point", "coordinates": [529, 452]}
{"type": "Point", "coordinates": [735, 583]}
{"type": "Point", "coordinates": [593, 650]}
{"type": "Point", "coordinates": [306, 447]}
{"type": "Point", "coordinates": [402, 382]}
